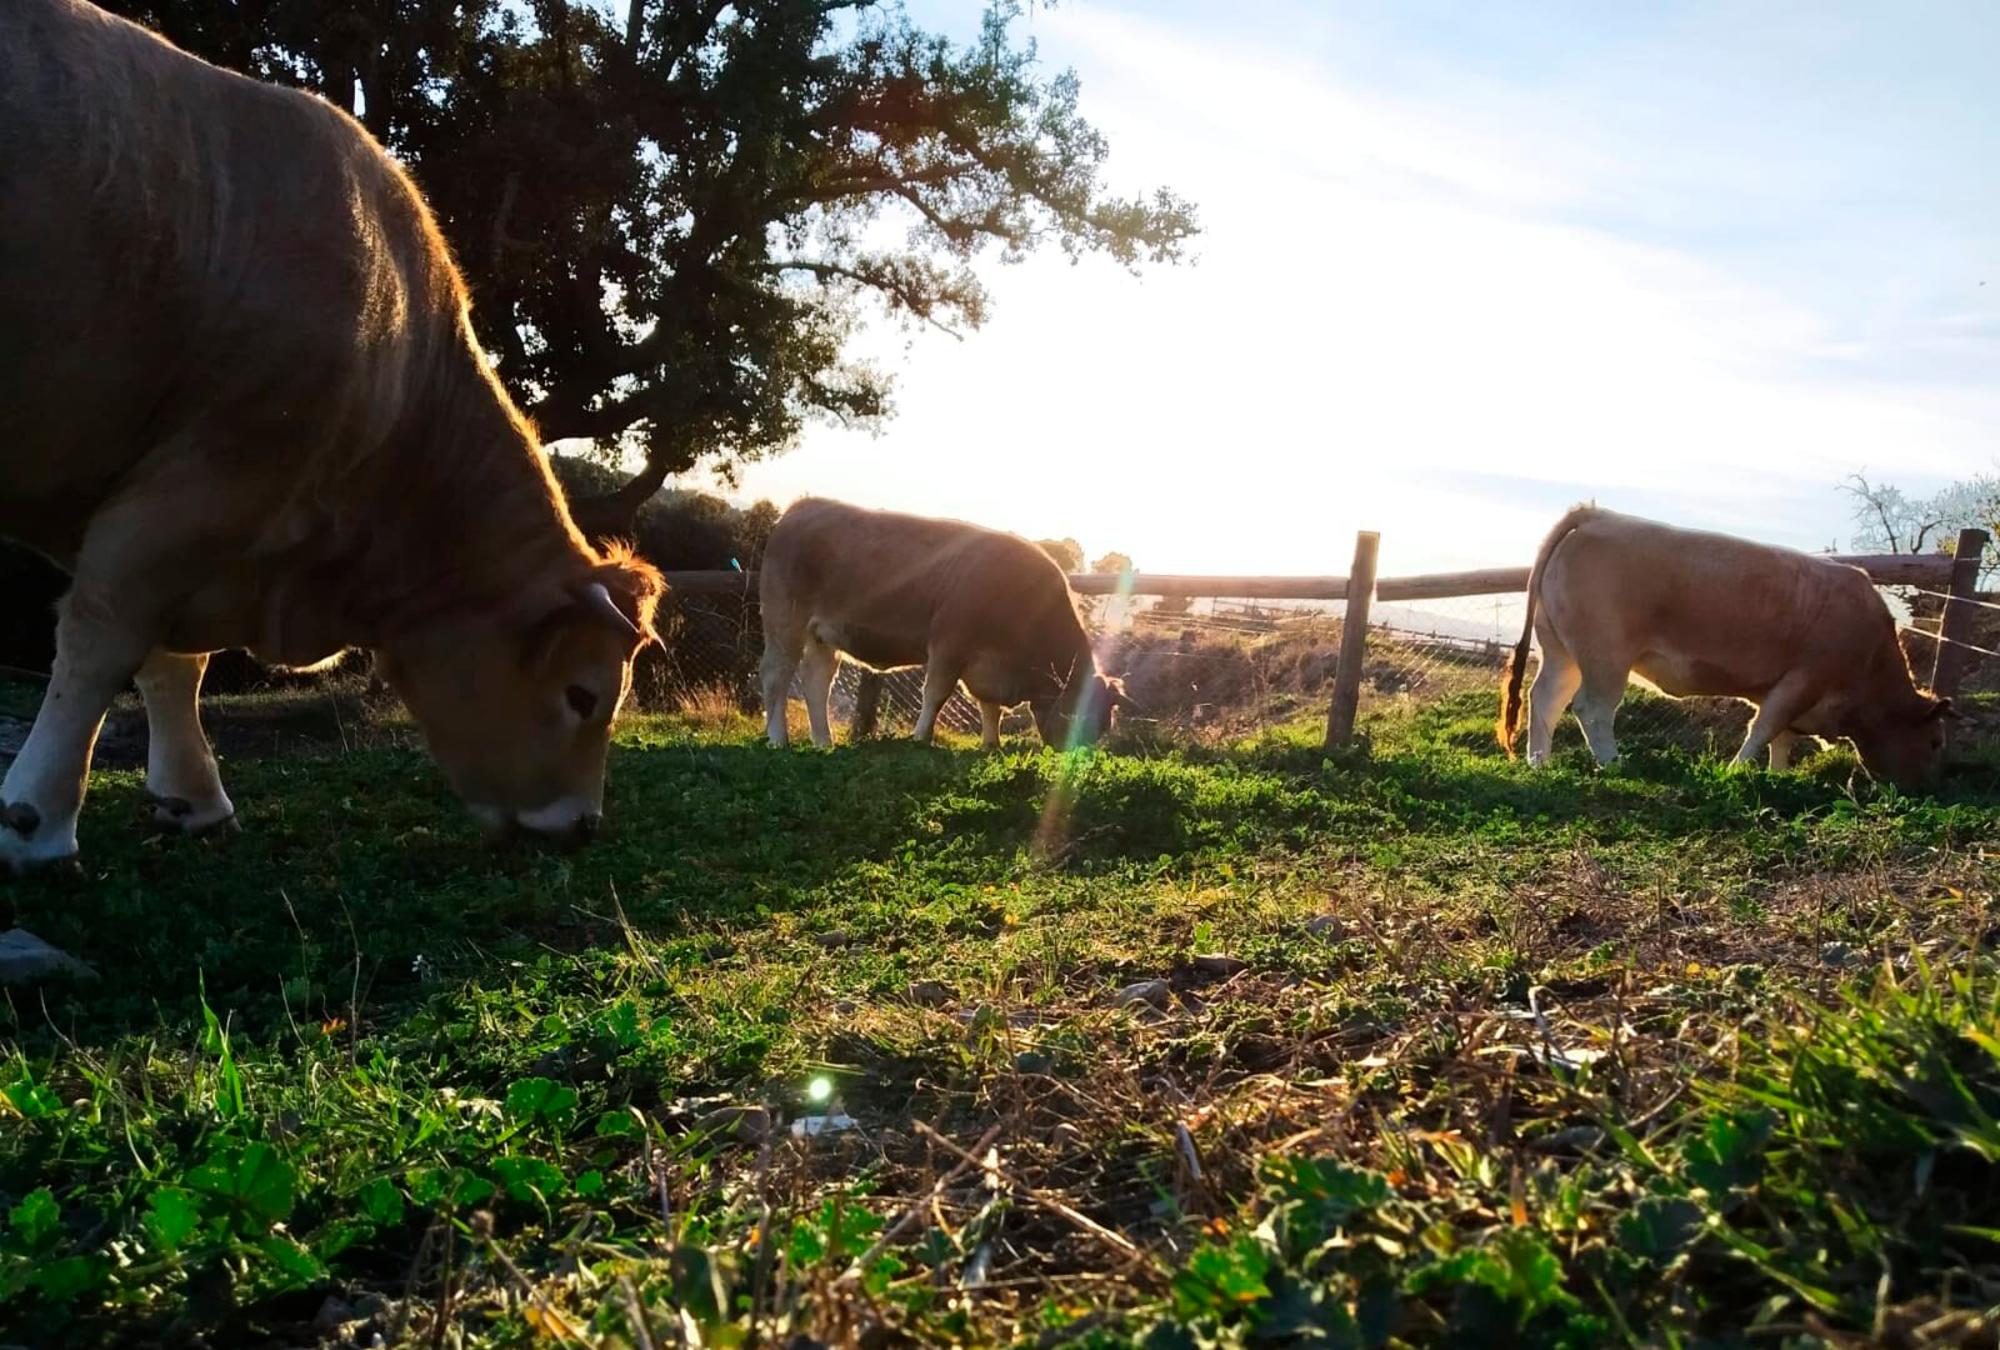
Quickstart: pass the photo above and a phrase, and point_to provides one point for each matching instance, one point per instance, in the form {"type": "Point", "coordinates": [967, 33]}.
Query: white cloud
{"type": "Point", "coordinates": [1404, 319]}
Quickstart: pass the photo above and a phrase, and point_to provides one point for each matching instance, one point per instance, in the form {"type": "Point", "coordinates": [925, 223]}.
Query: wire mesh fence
{"type": "Point", "coordinates": [1220, 667]}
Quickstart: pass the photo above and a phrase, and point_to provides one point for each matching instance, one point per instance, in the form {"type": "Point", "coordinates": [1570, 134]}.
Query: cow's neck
{"type": "Point", "coordinates": [461, 518]}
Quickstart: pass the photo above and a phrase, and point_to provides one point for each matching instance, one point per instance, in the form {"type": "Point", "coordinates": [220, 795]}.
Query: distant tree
{"type": "Point", "coordinates": [1888, 520]}
{"type": "Point", "coordinates": [1113, 562]}
{"type": "Point", "coordinates": [673, 214]}
{"type": "Point", "coordinates": [680, 530]}
{"type": "Point", "coordinates": [1067, 553]}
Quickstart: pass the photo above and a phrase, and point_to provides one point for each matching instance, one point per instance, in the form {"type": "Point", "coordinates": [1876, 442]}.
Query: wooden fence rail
{"type": "Point", "coordinates": [1955, 576]}
{"type": "Point", "coordinates": [1888, 569]}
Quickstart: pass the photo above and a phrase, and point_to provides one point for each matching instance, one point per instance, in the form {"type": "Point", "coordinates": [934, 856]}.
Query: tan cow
{"type": "Point", "coordinates": [1806, 640]}
{"type": "Point", "coordinates": [244, 408]}
{"type": "Point", "coordinates": [965, 603]}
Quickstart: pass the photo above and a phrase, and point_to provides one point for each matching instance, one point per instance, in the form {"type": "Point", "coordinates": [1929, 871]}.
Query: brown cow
{"type": "Point", "coordinates": [1805, 640]}
{"type": "Point", "coordinates": [965, 603]}
{"type": "Point", "coordinates": [245, 409]}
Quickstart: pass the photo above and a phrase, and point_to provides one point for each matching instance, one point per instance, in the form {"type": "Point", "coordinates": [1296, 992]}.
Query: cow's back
{"type": "Point", "coordinates": [1714, 613]}
{"type": "Point", "coordinates": [189, 258]}
{"type": "Point", "coordinates": [907, 580]}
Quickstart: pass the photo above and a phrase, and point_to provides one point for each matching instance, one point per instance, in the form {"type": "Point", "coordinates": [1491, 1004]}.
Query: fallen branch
{"type": "Point", "coordinates": [910, 1215]}
{"type": "Point", "coordinates": [1118, 1243]}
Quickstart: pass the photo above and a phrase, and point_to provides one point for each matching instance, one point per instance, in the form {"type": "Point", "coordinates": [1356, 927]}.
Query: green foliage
{"type": "Point", "coordinates": [671, 213]}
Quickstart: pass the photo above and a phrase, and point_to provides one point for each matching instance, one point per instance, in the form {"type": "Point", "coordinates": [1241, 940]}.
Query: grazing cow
{"type": "Point", "coordinates": [244, 408]}
{"type": "Point", "coordinates": [965, 603]}
{"type": "Point", "coordinates": [1805, 640]}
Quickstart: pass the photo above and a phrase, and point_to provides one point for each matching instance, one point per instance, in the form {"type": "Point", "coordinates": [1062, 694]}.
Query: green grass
{"type": "Point", "coordinates": [1665, 1055]}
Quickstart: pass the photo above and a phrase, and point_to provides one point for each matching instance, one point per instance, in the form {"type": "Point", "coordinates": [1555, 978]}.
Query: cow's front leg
{"type": "Point", "coordinates": [989, 725]}
{"type": "Point", "coordinates": [43, 790]}
{"type": "Point", "coordinates": [1782, 746]}
{"type": "Point", "coordinates": [940, 679]}
{"type": "Point", "coordinates": [1781, 707]}
{"type": "Point", "coordinates": [180, 767]}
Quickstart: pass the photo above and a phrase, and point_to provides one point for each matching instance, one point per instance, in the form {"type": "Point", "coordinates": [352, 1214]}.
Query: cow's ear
{"type": "Point", "coordinates": [1941, 708]}
{"type": "Point", "coordinates": [1119, 698]}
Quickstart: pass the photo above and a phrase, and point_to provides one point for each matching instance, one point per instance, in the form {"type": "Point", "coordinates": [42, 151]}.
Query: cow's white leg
{"type": "Point", "coordinates": [940, 679]}
{"type": "Point", "coordinates": [1549, 698]}
{"type": "Point", "coordinates": [1782, 746]}
{"type": "Point", "coordinates": [816, 671]}
{"type": "Point", "coordinates": [180, 768]}
{"type": "Point", "coordinates": [1787, 699]}
{"type": "Point", "coordinates": [989, 725]}
{"type": "Point", "coordinates": [781, 660]}
{"type": "Point", "coordinates": [1596, 708]}
{"type": "Point", "coordinates": [43, 790]}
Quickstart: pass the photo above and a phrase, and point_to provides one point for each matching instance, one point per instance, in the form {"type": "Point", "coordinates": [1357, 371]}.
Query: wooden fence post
{"type": "Point", "coordinates": [867, 702]}
{"type": "Point", "coordinates": [1955, 623]}
{"type": "Point", "coordinates": [1353, 641]}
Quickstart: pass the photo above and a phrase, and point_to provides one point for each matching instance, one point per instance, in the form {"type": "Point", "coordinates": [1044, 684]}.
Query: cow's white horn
{"type": "Point", "coordinates": [597, 602]}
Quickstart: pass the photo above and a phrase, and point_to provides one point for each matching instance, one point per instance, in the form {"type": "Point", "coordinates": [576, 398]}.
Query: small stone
{"type": "Point", "coordinates": [835, 939]}
{"type": "Point", "coordinates": [1031, 1061]}
{"type": "Point", "coordinates": [332, 1315]}
{"type": "Point", "coordinates": [1152, 993]}
{"type": "Point", "coordinates": [1220, 966]}
{"type": "Point", "coordinates": [26, 959]}
{"type": "Point", "coordinates": [1326, 926]}
{"type": "Point", "coordinates": [1573, 1139]}
{"type": "Point", "coordinates": [745, 1124]}
{"type": "Point", "coordinates": [845, 1007]}
{"type": "Point", "coordinates": [930, 993]}
{"type": "Point", "coordinates": [1836, 954]}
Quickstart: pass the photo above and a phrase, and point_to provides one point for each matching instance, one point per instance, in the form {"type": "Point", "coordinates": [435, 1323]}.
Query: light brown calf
{"type": "Point", "coordinates": [1806, 640]}
{"type": "Point", "coordinates": [965, 603]}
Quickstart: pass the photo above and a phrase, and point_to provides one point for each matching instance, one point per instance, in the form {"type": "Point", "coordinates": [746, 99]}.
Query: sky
{"type": "Point", "coordinates": [1463, 266]}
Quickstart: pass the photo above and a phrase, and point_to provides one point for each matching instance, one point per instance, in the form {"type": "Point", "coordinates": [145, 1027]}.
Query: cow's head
{"type": "Point", "coordinates": [1905, 745]}
{"type": "Point", "coordinates": [1079, 712]}
{"type": "Point", "coordinates": [517, 707]}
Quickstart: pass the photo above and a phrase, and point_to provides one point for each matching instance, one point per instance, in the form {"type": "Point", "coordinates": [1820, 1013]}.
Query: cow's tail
{"type": "Point", "coordinates": [1508, 730]}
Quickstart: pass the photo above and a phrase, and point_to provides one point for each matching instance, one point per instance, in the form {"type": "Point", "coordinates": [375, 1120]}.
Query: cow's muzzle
{"type": "Point", "coordinates": [561, 824]}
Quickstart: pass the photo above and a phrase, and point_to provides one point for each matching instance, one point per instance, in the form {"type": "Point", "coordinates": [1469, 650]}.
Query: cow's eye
{"type": "Point", "coordinates": [581, 699]}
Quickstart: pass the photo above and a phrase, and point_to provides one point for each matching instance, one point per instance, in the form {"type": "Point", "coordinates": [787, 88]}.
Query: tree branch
{"type": "Point", "coordinates": [918, 305]}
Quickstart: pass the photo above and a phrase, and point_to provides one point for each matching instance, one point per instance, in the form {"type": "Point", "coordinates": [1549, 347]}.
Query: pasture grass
{"type": "Point", "coordinates": [1443, 1051]}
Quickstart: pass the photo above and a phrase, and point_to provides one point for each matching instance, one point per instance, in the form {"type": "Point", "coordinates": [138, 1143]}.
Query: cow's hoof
{"type": "Point", "coordinates": [26, 959]}
{"type": "Point", "coordinates": [178, 815]}
{"type": "Point", "coordinates": [22, 858]}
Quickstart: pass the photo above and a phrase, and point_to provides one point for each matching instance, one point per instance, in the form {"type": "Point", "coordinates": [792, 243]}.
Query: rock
{"type": "Point", "coordinates": [26, 959]}
{"type": "Point", "coordinates": [1220, 966]}
{"type": "Point", "coordinates": [931, 993]}
{"type": "Point", "coordinates": [332, 1315]}
{"type": "Point", "coordinates": [1836, 954]}
{"type": "Point", "coordinates": [744, 1124]}
{"type": "Point", "coordinates": [1151, 993]}
{"type": "Point", "coordinates": [1328, 927]}
{"type": "Point", "coordinates": [1030, 1061]}
{"type": "Point", "coordinates": [835, 939]}
{"type": "Point", "coordinates": [1573, 1139]}
{"type": "Point", "coordinates": [805, 1127]}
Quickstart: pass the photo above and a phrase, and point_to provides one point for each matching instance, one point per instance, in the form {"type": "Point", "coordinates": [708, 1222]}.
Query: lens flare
{"type": "Point", "coordinates": [819, 1090]}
